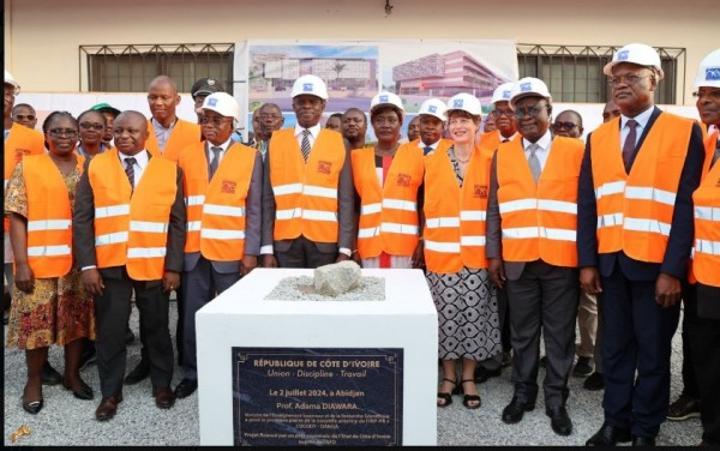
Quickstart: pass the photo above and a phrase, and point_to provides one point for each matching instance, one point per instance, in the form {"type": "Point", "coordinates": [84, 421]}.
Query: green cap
{"type": "Point", "coordinates": [104, 106]}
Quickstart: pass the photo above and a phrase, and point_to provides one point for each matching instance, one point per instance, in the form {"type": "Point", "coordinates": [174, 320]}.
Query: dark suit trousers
{"type": "Point", "coordinates": [304, 253]}
{"type": "Point", "coordinates": [689, 322]}
{"type": "Point", "coordinates": [200, 285]}
{"type": "Point", "coordinates": [637, 335]}
{"type": "Point", "coordinates": [111, 316]}
{"type": "Point", "coordinates": [704, 340]}
{"type": "Point", "coordinates": [545, 296]}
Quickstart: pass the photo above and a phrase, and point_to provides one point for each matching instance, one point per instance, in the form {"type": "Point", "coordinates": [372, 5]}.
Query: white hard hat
{"type": "Point", "coordinates": [708, 74]}
{"type": "Point", "coordinates": [434, 107]}
{"type": "Point", "coordinates": [529, 86]}
{"type": "Point", "coordinates": [465, 102]}
{"type": "Point", "coordinates": [386, 98]}
{"type": "Point", "coordinates": [310, 85]}
{"type": "Point", "coordinates": [640, 54]}
{"type": "Point", "coordinates": [11, 81]}
{"type": "Point", "coordinates": [223, 104]}
{"type": "Point", "coordinates": [503, 92]}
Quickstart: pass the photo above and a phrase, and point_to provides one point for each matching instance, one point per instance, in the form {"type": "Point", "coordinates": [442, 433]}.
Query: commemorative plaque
{"type": "Point", "coordinates": [317, 396]}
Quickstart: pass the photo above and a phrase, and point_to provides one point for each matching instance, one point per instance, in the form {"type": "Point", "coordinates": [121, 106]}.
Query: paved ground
{"type": "Point", "coordinates": [69, 421]}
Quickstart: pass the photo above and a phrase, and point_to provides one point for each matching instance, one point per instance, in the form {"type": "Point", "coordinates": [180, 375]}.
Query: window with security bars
{"type": "Point", "coordinates": [130, 68]}
{"type": "Point", "coordinates": [574, 73]}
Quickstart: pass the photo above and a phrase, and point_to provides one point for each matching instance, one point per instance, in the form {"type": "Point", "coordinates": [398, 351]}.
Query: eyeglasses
{"type": "Point", "coordinates": [216, 121]}
{"type": "Point", "coordinates": [564, 125]}
{"type": "Point", "coordinates": [713, 94]}
{"type": "Point", "coordinates": [91, 126]}
{"type": "Point", "coordinates": [629, 79]}
{"type": "Point", "coordinates": [507, 113]}
{"type": "Point", "coordinates": [529, 112]}
{"type": "Point", "coordinates": [69, 132]}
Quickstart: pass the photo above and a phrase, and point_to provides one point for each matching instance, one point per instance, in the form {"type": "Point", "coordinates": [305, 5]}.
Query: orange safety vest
{"type": "Point", "coordinates": [21, 141]}
{"type": "Point", "coordinates": [539, 221]}
{"type": "Point", "coordinates": [216, 208]}
{"type": "Point", "coordinates": [184, 134]}
{"type": "Point", "coordinates": [49, 217]}
{"type": "Point", "coordinates": [706, 200]}
{"type": "Point", "coordinates": [388, 214]}
{"type": "Point", "coordinates": [635, 210]}
{"type": "Point", "coordinates": [454, 230]}
{"type": "Point", "coordinates": [131, 226]}
{"type": "Point", "coordinates": [306, 194]}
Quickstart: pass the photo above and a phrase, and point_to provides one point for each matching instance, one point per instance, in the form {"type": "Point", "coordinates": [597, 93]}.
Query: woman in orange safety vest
{"type": "Point", "coordinates": [456, 182]}
{"type": "Point", "coordinates": [48, 305]}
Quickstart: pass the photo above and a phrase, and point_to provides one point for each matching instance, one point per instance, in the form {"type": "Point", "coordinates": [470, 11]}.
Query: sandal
{"type": "Point", "coordinates": [447, 397]}
{"type": "Point", "coordinates": [468, 399]}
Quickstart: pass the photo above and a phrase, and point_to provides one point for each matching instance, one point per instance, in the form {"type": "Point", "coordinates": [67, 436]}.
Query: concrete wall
{"type": "Point", "coordinates": [42, 36]}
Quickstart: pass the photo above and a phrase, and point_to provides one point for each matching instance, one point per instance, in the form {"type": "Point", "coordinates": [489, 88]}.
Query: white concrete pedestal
{"type": "Point", "coordinates": [240, 317]}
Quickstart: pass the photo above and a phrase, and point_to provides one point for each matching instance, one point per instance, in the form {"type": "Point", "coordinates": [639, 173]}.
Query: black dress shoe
{"type": "Point", "coordinates": [560, 420]}
{"type": "Point", "coordinates": [643, 441]}
{"type": "Point", "coordinates": [50, 376]}
{"type": "Point", "coordinates": [139, 373]}
{"type": "Point", "coordinates": [609, 435]}
{"type": "Point", "coordinates": [185, 388]}
{"type": "Point", "coordinates": [33, 407]}
{"type": "Point", "coordinates": [594, 382]}
{"type": "Point", "coordinates": [84, 392]}
{"type": "Point", "coordinates": [514, 411]}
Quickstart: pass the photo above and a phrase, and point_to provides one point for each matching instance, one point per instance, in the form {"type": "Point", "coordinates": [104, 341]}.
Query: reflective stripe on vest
{"type": "Point", "coordinates": [49, 223]}
{"type": "Point", "coordinates": [216, 208]}
{"type": "Point", "coordinates": [635, 210]}
{"type": "Point", "coordinates": [539, 220]}
{"type": "Point", "coordinates": [306, 197]}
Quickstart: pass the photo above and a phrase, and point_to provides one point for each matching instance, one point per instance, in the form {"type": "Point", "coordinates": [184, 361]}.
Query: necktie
{"type": "Point", "coordinates": [534, 161]}
{"type": "Point", "coordinates": [427, 150]}
{"type": "Point", "coordinates": [305, 147]}
{"type": "Point", "coordinates": [629, 145]}
{"type": "Point", "coordinates": [130, 170]}
{"type": "Point", "coordinates": [215, 161]}
{"type": "Point", "coordinates": [716, 157]}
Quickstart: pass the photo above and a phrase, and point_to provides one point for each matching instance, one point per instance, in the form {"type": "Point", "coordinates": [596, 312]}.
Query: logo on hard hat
{"type": "Point", "coordinates": [712, 74]}
{"type": "Point", "coordinates": [458, 103]}
{"type": "Point", "coordinates": [308, 87]}
{"type": "Point", "coordinates": [525, 87]}
{"type": "Point", "coordinates": [506, 94]}
{"type": "Point", "coordinates": [383, 98]}
{"type": "Point", "coordinates": [623, 55]}
{"type": "Point", "coordinates": [432, 109]}
{"type": "Point", "coordinates": [212, 102]}
{"type": "Point", "coordinates": [211, 82]}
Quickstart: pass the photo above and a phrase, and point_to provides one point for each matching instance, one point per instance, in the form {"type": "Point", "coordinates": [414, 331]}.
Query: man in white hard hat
{"type": "Point", "coordinates": [635, 232]}
{"type": "Point", "coordinates": [704, 332]}
{"type": "Point", "coordinates": [505, 123]}
{"type": "Point", "coordinates": [432, 118]}
{"type": "Point", "coordinates": [223, 189]}
{"type": "Point", "coordinates": [531, 250]}
{"type": "Point", "coordinates": [308, 195]}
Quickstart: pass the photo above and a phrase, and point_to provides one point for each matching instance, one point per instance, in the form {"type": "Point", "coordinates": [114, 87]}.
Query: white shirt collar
{"type": "Point", "coordinates": [314, 130]}
{"type": "Point", "coordinates": [642, 118]}
{"type": "Point", "coordinates": [544, 142]}
{"type": "Point", "coordinates": [434, 145]}
{"type": "Point", "coordinates": [224, 146]}
{"type": "Point", "coordinates": [502, 138]}
{"type": "Point", "coordinates": [141, 158]}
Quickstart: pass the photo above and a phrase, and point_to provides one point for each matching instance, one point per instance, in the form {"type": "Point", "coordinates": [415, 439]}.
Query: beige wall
{"type": "Point", "coordinates": [42, 36]}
